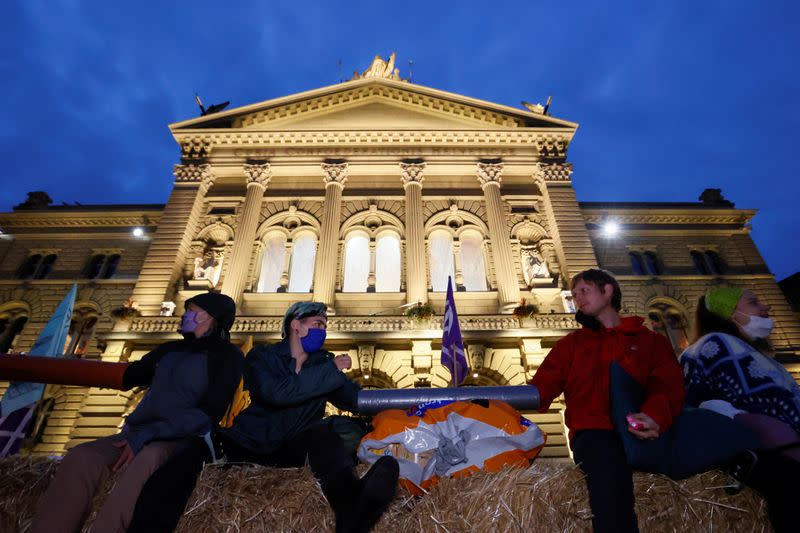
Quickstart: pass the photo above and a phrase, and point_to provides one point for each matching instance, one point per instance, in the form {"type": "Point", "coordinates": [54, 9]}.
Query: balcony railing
{"type": "Point", "coordinates": [366, 324]}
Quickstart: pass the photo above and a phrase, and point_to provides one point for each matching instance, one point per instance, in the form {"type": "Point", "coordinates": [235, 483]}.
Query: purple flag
{"type": "Point", "coordinates": [453, 357]}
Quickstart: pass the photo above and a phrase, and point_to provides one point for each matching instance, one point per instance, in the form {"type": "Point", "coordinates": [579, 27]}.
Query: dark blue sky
{"type": "Point", "coordinates": [671, 97]}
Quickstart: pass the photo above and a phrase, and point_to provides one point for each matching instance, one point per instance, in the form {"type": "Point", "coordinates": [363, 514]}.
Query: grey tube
{"type": "Point", "coordinates": [372, 401]}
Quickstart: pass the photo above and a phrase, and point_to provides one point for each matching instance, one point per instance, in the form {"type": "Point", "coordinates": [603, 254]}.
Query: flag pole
{"type": "Point", "coordinates": [454, 377]}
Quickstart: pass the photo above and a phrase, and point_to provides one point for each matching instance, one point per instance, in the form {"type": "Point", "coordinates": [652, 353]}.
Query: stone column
{"type": "Point", "coordinates": [459, 281]}
{"type": "Point", "coordinates": [328, 251]}
{"type": "Point", "coordinates": [567, 227]}
{"type": "Point", "coordinates": [172, 241]}
{"type": "Point", "coordinates": [258, 176]}
{"type": "Point", "coordinates": [416, 274]}
{"type": "Point", "coordinates": [287, 258]}
{"type": "Point", "coordinates": [371, 277]}
{"type": "Point", "coordinates": [489, 176]}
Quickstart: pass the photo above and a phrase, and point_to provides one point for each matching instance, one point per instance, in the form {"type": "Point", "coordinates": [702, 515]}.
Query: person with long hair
{"type": "Point", "coordinates": [729, 368]}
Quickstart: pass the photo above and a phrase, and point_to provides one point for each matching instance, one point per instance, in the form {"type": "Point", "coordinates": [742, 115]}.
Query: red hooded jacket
{"type": "Point", "coordinates": [578, 365]}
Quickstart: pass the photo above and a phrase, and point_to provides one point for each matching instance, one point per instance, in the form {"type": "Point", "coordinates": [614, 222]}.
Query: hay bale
{"type": "Point", "coordinates": [550, 496]}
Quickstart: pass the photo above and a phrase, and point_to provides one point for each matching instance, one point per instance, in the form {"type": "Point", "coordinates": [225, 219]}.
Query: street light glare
{"type": "Point", "coordinates": [138, 232]}
{"type": "Point", "coordinates": [610, 228]}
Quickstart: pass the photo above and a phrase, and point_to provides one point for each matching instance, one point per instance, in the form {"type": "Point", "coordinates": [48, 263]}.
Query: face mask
{"type": "Point", "coordinates": [188, 322]}
{"type": "Point", "coordinates": [313, 340]}
{"type": "Point", "coordinates": [758, 327]}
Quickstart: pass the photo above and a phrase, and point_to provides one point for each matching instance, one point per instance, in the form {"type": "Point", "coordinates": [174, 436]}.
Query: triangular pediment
{"type": "Point", "coordinates": [373, 104]}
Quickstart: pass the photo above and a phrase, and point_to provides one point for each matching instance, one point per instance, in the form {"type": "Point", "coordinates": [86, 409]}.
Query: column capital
{"type": "Point", "coordinates": [200, 174]}
{"type": "Point", "coordinates": [258, 174]}
{"type": "Point", "coordinates": [547, 172]}
{"type": "Point", "coordinates": [490, 173]}
{"type": "Point", "coordinates": [412, 173]}
{"type": "Point", "coordinates": [335, 173]}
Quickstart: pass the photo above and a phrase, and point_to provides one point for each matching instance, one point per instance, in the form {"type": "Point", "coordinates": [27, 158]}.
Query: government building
{"type": "Point", "coordinates": [366, 195]}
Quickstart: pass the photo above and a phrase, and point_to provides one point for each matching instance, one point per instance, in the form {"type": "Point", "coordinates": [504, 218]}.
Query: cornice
{"type": "Point", "coordinates": [551, 143]}
{"type": "Point", "coordinates": [653, 216]}
{"type": "Point", "coordinates": [89, 220]}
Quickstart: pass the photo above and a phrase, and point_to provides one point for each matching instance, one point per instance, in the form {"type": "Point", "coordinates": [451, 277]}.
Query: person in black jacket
{"type": "Point", "coordinates": [289, 384]}
{"type": "Point", "coordinates": [190, 381]}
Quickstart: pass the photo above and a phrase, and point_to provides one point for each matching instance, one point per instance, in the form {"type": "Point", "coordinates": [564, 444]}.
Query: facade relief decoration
{"type": "Point", "coordinates": [552, 172]}
{"type": "Point", "coordinates": [335, 173]}
{"type": "Point", "coordinates": [200, 174]}
{"type": "Point", "coordinates": [412, 173]}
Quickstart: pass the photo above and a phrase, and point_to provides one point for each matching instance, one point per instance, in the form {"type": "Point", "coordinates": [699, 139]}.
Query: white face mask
{"type": "Point", "coordinates": [758, 327]}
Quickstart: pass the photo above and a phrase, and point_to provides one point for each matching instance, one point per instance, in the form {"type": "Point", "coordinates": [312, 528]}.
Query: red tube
{"type": "Point", "coordinates": [81, 372]}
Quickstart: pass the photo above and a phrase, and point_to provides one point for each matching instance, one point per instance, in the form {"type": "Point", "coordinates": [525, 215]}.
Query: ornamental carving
{"type": "Point", "coordinates": [651, 218]}
{"type": "Point", "coordinates": [258, 174]}
{"type": "Point", "coordinates": [335, 173]}
{"type": "Point", "coordinates": [552, 172]}
{"type": "Point", "coordinates": [200, 174]}
{"type": "Point", "coordinates": [530, 141]}
{"type": "Point", "coordinates": [490, 173]}
{"type": "Point", "coordinates": [13, 220]}
{"type": "Point", "coordinates": [195, 147]}
{"type": "Point", "coordinates": [412, 173]}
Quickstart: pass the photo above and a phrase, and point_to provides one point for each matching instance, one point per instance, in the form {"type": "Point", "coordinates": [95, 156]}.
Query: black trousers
{"type": "Point", "coordinates": [777, 478]}
{"type": "Point", "coordinates": [165, 495]}
{"type": "Point", "coordinates": [319, 447]}
{"type": "Point", "coordinates": [600, 455]}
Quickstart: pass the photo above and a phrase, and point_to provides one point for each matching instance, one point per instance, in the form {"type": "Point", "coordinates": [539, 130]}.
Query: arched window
{"type": "Point", "coordinates": [46, 267]}
{"type": "Point", "coordinates": [301, 270]}
{"type": "Point", "coordinates": [442, 263]}
{"type": "Point", "coordinates": [81, 331]}
{"type": "Point", "coordinates": [356, 262]}
{"type": "Point", "coordinates": [28, 268]}
{"type": "Point", "coordinates": [714, 262]}
{"type": "Point", "coordinates": [272, 262]}
{"type": "Point", "coordinates": [12, 322]}
{"type": "Point", "coordinates": [651, 260]}
{"type": "Point", "coordinates": [111, 266]}
{"type": "Point", "coordinates": [699, 263]}
{"type": "Point", "coordinates": [387, 263]}
{"type": "Point", "coordinates": [667, 319]}
{"type": "Point", "coordinates": [636, 263]}
{"type": "Point", "coordinates": [95, 266]}
{"type": "Point", "coordinates": [473, 265]}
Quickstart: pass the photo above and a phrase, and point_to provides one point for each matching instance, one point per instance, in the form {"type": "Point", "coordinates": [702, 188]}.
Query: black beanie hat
{"type": "Point", "coordinates": [222, 308]}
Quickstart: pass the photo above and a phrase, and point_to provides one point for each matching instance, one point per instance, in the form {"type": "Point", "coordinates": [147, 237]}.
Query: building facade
{"type": "Point", "coordinates": [366, 195]}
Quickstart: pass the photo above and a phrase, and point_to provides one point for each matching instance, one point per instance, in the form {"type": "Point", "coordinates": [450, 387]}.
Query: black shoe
{"type": "Point", "coordinates": [378, 488]}
{"type": "Point", "coordinates": [341, 491]}
{"type": "Point", "coordinates": [740, 470]}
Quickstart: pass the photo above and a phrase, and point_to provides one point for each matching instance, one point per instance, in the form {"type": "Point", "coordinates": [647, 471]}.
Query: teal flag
{"type": "Point", "coordinates": [50, 343]}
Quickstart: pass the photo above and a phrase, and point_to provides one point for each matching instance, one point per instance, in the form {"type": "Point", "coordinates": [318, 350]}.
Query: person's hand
{"type": "Point", "coordinates": [125, 457]}
{"type": "Point", "coordinates": [342, 362]}
{"type": "Point", "coordinates": [648, 429]}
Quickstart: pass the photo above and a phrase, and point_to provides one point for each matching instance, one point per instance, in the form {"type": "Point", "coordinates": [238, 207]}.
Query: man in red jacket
{"type": "Point", "coordinates": [578, 365]}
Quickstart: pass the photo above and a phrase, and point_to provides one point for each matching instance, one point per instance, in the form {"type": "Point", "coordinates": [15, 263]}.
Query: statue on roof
{"type": "Point", "coordinates": [380, 69]}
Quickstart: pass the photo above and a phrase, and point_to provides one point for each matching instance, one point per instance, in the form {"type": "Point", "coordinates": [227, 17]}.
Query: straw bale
{"type": "Point", "coordinates": [549, 496]}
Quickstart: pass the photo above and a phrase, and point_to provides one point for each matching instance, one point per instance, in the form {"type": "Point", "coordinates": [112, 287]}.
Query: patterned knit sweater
{"type": "Point", "coordinates": [722, 367]}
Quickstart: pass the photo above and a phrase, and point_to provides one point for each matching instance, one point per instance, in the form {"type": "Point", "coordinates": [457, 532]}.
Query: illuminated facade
{"type": "Point", "coordinates": [366, 195]}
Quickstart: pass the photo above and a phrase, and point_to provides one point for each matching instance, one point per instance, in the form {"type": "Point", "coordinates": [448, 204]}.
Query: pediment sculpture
{"type": "Point", "coordinates": [380, 69]}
